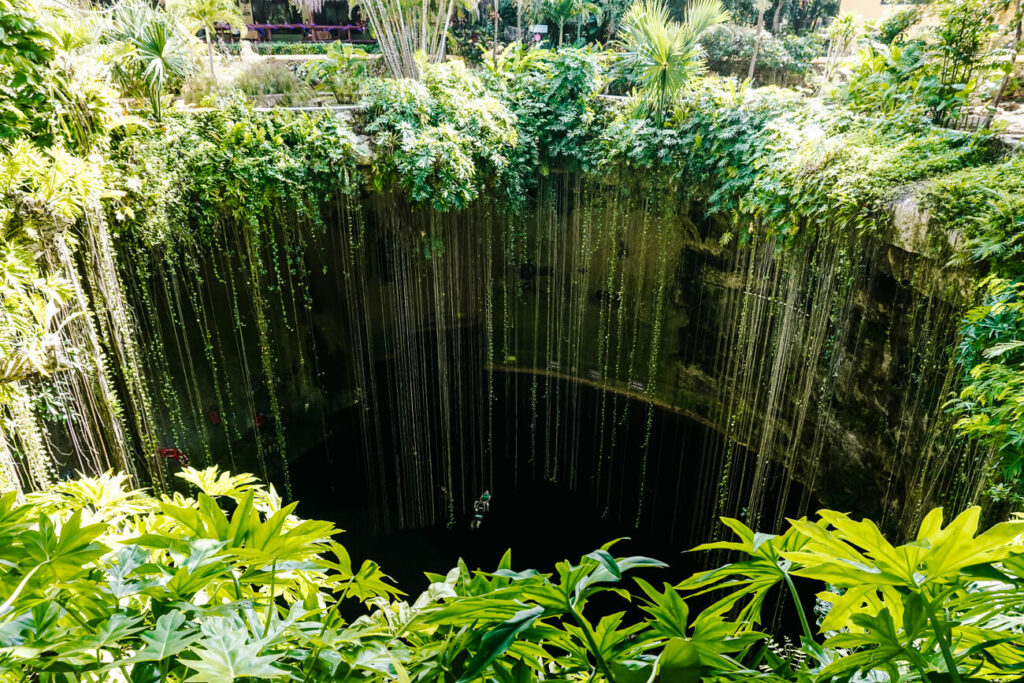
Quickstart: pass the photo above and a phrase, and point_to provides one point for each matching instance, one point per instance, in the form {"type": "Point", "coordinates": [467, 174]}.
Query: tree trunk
{"type": "Point", "coordinates": [777, 18]}
{"type": "Point", "coordinates": [1018, 17]}
{"type": "Point", "coordinates": [209, 55]}
{"type": "Point", "coordinates": [495, 50]}
{"type": "Point", "coordinates": [757, 44]}
{"type": "Point", "coordinates": [519, 21]}
{"type": "Point", "coordinates": [561, 27]}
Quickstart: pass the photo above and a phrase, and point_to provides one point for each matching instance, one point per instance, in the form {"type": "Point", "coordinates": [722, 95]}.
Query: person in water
{"type": "Point", "coordinates": [480, 507]}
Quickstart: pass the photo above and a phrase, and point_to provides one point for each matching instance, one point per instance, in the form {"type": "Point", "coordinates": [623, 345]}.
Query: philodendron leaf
{"type": "Point", "coordinates": [225, 654]}
{"type": "Point", "coordinates": [679, 662]}
{"type": "Point", "coordinates": [607, 561]}
{"type": "Point", "coordinates": [166, 639]}
{"type": "Point", "coordinates": [632, 671]}
{"type": "Point", "coordinates": [499, 639]}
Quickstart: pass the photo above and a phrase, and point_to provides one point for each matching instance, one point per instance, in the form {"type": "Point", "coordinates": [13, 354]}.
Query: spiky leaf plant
{"type": "Point", "coordinates": [663, 53]}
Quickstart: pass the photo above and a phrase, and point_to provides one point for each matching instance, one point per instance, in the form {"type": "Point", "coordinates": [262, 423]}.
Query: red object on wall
{"type": "Point", "coordinates": [174, 454]}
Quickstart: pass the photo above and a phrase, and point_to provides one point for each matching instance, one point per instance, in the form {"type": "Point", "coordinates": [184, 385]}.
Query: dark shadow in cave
{"type": "Point", "coordinates": [541, 521]}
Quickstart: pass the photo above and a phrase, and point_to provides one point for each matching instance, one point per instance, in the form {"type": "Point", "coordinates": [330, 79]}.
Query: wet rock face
{"type": "Point", "coordinates": [870, 435]}
{"type": "Point", "coordinates": [828, 358]}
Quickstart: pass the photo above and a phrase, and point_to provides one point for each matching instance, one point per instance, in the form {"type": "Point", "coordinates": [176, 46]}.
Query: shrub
{"type": "Point", "coordinates": [443, 137]}
{"type": "Point", "coordinates": [294, 48]}
{"type": "Point", "coordinates": [273, 78]}
{"type": "Point", "coordinates": [729, 47]}
{"type": "Point", "coordinates": [341, 72]}
{"type": "Point", "coordinates": [103, 583]}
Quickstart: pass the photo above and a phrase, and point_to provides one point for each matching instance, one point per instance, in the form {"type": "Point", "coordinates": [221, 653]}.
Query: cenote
{"type": "Point", "coordinates": [599, 362]}
{"type": "Point", "coordinates": [727, 316]}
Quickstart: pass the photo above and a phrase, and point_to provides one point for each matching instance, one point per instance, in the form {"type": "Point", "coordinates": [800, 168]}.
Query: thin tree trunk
{"type": "Point", "coordinates": [777, 18]}
{"type": "Point", "coordinates": [1018, 17]}
{"type": "Point", "coordinates": [495, 49]}
{"type": "Point", "coordinates": [423, 29]}
{"type": "Point", "coordinates": [757, 44]}
{"type": "Point", "coordinates": [209, 54]}
{"type": "Point", "coordinates": [561, 26]}
{"type": "Point", "coordinates": [519, 21]}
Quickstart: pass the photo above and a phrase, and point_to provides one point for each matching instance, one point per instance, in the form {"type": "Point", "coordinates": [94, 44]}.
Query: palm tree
{"type": "Point", "coordinates": [665, 53]}
{"type": "Point", "coordinates": [559, 11]}
{"type": "Point", "coordinates": [206, 14]}
{"type": "Point", "coordinates": [585, 9]}
{"type": "Point", "coordinates": [563, 11]}
{"type": "Point", "coordinates": [154, 51]}
{"type": "Point", "coordinates": [762, 7]}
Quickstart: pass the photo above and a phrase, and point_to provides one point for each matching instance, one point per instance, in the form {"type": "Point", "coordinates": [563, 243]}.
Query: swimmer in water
{"type": "Point", "coordinates": [480, 508]}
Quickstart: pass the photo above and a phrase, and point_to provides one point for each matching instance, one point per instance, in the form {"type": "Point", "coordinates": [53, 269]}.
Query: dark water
{"type": "Point", "coordinates": [541, 521]}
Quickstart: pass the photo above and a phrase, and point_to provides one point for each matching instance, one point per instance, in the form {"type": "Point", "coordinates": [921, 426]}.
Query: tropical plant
{"type": "Point", "coordinates": [1016, 29]}
{"type": "Point", "coordinates": [563, 11]}
{"type": "Point", "coordinates": [341, 71]}
{"type": "Point", "coordinates": [889, 79]}
{"type": "Point", "coordinates": [155, 51]}
{"type": "Point", "coordinates": [665, 54]}
{"type": "Point", "coordinates": [729, 49]}
{"type": "Point", "coordinates": [991, 403]}
{"type": "Point", "coordinates": [962, 44]}
{"type": "Point", "coordinates": [443, 137]}
{"type": "Point", "coordinates": [26, 49]}
{"type": "Point", "coordinates": [796, 17]}
{"type": "Point", "coordinates": [931, 609]}
{"type": "Point", "coordinates": [273, 78]}
{"type": "Point", "coordinates": [106, 581]}
{"type": "Point", "coordinates": [102, 581]}
{"type": "Point", "coordinates": [894, 27]}
{"type": "Point", "coordinates": [205, 15]}
{"type": "Point", "coordinates": [843, 35]}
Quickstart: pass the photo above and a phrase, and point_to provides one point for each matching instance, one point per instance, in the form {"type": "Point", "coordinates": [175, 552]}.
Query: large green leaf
{"type": "Point", "coordinates": [679, 662]}
{"type": "Point", "coordinates": [166, 639]}
{"type": "Point", "coordinates": [225, 653]}
{"type": "Point", "coordinates": [497, 640]}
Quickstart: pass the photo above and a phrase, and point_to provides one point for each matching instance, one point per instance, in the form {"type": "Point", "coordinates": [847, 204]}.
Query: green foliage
{"type": "Point", "coordinates": [796, 17]}
{"type": "Point", "coordinates": [154, 52]}
{"type": "Point", "coordinates": [991, 403]}
{"type": "Point", "coordinates": [787, 168]}
{"type": "Point", "coordinates": [728, 49]}
{"type": "Point", "coordinates": [233, 162]}
{"type": "Point", "coordinates": [891, 79]}
{"type": "Point", "coordinates": [45, 192]}
{"type": "Point", "coordinates": [102, 581]}
{"type": "Point", "coordinates": [341, 71]}
{"type": "Point", "coordinates": [261, 79]}
{"type": "Point", "coordinates": [552, 96]}
{"type": "Point", "coordinates": [663, 54]}
{"type": "Point", "coordinates": [893, 28]}
{"type": "Point", "coordinates": [962, 39]}
{"type": "Point", "coordinates": [934, 77]}
{"type": "Point", "coordinates": [928, 610]}
{"type": "Point", "coordinates": [206, 15]}
{"type": "Point", "coordinates": [26, 50]}
{"type": "Point", "coordinates": [105, 581]}
{"type": "Point", "coordinates": [442, 137]}
{"type": "Point", "coordinates": [563, 11]}
{"type": "Point", "coordinates": [984, 206]}
{"type": "Point", "coordinates": [295, 48]}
